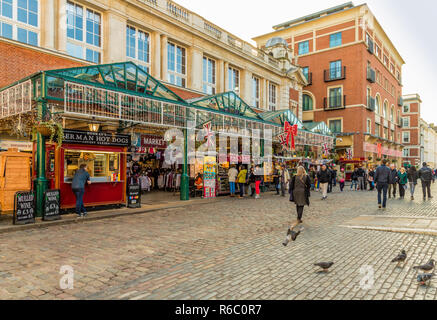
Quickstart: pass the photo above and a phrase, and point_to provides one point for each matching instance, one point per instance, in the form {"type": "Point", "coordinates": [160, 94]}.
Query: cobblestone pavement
{"type": "Point", "coordinates": [231, 249]}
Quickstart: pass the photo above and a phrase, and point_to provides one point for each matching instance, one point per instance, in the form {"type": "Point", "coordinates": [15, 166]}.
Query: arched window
{"type": "Point", "coordinates": [307, 102]}
{"type": "Point", "coordinates": [385, 110]}
{"type": "Point", "coordinates": [378, 105]}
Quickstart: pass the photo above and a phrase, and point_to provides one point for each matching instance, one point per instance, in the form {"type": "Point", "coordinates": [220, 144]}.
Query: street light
{"type": "Point", "coordinates": [94, 127]}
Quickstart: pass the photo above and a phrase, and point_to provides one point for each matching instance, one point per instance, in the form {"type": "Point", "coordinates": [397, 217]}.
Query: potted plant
{"type": "Point", "coordinates": [49, 129]}
{"type": "Point", "coordinates": [370, 158]}
{"type": "Point", "coordinates": [378, 159]}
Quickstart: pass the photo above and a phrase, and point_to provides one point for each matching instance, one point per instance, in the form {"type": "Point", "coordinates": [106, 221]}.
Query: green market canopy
{"type": "Point", "coordinates": [318, 127]}
{"type": "Point", "coordinates": [125, 93]}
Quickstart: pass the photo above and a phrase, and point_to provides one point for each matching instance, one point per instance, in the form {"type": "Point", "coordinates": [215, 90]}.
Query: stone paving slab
{"type": "Point", "coordinates": [6, 225]}
{"type": "Point", "coordinates": [420, 225]}
{"type": "Point", "coordinates": [229, 249]}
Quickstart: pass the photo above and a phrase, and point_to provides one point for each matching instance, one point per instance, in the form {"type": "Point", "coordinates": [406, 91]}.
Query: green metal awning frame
{"type": "Point", "coordinates": [281, 116]}
{"type": "Point", "coordinates": [318, 127]}
{"type": "Point", "coordinates": [124, 77]}
{"type": "Point", "coordinates": [228, 102]}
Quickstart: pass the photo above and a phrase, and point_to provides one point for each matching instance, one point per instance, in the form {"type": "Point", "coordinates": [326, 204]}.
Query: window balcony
{"type": "Point", "coordinates": [334, 74]}
{"type": "Point", "coordinates": [334, 103]}
{"type": "Point", "coordinates": [371, 75]}
{"type": "Point", "coordinates": [371, 103]}
{"type": "Point", "coordinates": [400, 101]}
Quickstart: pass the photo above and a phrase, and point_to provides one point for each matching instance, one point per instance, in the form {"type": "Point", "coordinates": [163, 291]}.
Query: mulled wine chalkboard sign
{"type": "Point", "coordinates": [52, 205]}
{"type": "Point", "coordinates": [24, 207]}
{"type": "Point", "coordinates": [134, 196]}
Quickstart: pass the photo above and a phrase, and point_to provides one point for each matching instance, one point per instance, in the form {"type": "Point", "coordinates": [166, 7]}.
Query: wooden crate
{"type": "Point", "coordinates": [14, 176]}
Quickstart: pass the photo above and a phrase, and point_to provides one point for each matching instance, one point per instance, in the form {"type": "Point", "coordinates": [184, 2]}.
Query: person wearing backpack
{"type": "Point", "coordinates": [425, 174]}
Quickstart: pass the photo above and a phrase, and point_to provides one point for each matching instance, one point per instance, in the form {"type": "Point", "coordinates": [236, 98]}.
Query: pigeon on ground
{"type": "Point", "coordinates": [291, 235]}
{"type": "Point", "coordinates": [401, 257]}
{"type": "Point", "coordinates": [426, 267]}
{"type": "Point", "coordinates": [324, 265]}
{"type": "Point", "coordinates": [424, 277]}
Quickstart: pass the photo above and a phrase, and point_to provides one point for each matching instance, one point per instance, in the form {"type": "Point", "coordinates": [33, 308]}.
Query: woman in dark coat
{"type": "Point", "coordinates": [300, 191]}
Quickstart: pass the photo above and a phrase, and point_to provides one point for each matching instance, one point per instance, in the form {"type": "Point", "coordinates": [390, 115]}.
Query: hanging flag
{"type": "Point", "coordinates": [283, 141]}
{"type": "Point", "coordinates": [209, 135]}
{"type": "Point", "coordinates": [291, 132]}
{"type": "Point", "coordinates": [379, 147]}
{"type": "Point", "coordinates": [325, 149]}
{"type": "Point", "coordinates": [349, 154]}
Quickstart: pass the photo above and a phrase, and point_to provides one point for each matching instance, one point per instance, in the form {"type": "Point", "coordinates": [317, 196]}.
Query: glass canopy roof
{"type": "Point", "coordinates": [318, 127]}
{"type": "Point", "coordinates": [125, 75]}
{"type": "Point", "coordinates": [228, 102]}
{"type": "Point", "coordinates": [281, 116]}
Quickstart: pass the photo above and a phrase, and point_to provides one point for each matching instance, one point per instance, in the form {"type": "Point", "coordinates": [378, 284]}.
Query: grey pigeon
{"type": "Point", "coordinates": [401, 257]}
{"type": "Point", "coordinates": [424, 277]}
{"type": "Point", "coordinates": [291, 235]}
{"type": "Point", "coordinates": [426, 267]}
{"type": "Point", "coordinates": [324, 265]}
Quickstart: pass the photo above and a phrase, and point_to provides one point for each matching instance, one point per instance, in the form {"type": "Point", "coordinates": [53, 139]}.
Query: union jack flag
{"type": "Point", "coordinates": [209, 135]}
{"type": "Point", "coordinates": [283, 141]}
{"type": "Point", "coordinates": [325, 149]}
{"type": "Point", "coordinates": [349, 154]}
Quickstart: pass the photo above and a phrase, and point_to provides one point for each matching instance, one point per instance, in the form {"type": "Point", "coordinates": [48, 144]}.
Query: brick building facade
{"type": "Point", "coordinates": [412, 134]}
{"type": "Point", "coordinates": [354, 74]}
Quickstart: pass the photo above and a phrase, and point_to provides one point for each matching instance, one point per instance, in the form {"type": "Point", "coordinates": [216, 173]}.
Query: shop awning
{"type": "Point", "coordinates": [228, 102]}
{"type": "Point", "coordinates": [126, 76]}
{"type": "Point", "coordinates": [318, 127]}
{"type": "Point", "coordinates": [281, 116]}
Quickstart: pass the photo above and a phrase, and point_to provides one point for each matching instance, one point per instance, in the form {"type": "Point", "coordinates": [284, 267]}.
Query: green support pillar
{"type": "Point", "coordinates": [185, 182]}
{"type": "Point", "coordinates": [41, 181]}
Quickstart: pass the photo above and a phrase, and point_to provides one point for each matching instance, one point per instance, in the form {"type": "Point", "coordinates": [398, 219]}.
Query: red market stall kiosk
{"type": "Point", "coordinates": [105, 156]}
{"type": "Point", "coordinates": [349, 166]}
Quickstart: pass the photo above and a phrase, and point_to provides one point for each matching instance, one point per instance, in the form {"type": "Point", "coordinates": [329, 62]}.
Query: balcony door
{"type": "Point", "coordinates": [335, 69]}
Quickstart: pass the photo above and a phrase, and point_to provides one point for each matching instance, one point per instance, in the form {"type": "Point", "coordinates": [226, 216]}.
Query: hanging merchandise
{"type": "Point", "coordinates": [209, 177]}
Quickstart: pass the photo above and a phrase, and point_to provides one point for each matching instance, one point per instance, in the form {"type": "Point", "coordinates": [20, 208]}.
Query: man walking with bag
{"type": "Point", "coordinates": [425, 174]}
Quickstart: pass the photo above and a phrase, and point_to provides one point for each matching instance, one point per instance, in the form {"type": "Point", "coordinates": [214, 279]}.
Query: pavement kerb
{"type": "Point", "coordinates": [431, 232]}
{"type": "Point", "coordinates": [100, 215]}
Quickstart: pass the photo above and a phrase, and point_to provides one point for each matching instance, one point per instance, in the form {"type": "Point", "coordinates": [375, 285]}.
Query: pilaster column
{"type": "Point", "coordinates": [196, 69]}
{"type": "Point", "coordinates": [164, 57]}
{"type": "Point", "coordinates": [156, 55]}
{"type": "Point", "coordinates": [220, 72]}
{"type": "Point", "coordinates": [115, 39]}
{"type": "Point", "coordinates": [48, 24]}
{"type": "Point", "coordinates": [61, 26]}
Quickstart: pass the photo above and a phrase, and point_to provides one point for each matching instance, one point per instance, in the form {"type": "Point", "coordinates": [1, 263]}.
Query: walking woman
{"type": "Point", "coordinates": [403, 180]}
{"type": "Point", "coordinates": [241, 178]}
{"type": "Point", "coordinates": [341, 179]}
{"type": "Point", "coordinates": [300, 191]}
{"type": "Point", "coordinates": [412, 179]}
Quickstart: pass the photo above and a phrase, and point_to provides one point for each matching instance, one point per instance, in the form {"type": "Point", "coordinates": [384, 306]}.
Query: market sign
{"type": "Point", "coordinates": [52, 205]}
{"type": "Point", "coordinates": [133, 196]}
{"type": "Point", "coordinates": [96, 138]}
{"type": "Point", "coordinates": [151, 141]}
{"type": "Point", "coordinates": [20, 145]}
{"type": "Point", "coordinates": [24, 207]}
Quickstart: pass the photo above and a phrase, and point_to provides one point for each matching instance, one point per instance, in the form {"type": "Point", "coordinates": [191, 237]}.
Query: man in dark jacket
{"type": "Point", "coordinates": [324, 177]}
{"type": "Point", "coordinates": [360, 174]}
{"type": "Point", "coordinates": [81, 177]}
{"type": "Point", "coordinates": [392, 181]}
{"type": "Point", "coordinates": [425, 174]}
{"type": "Point", "coordinates": [331, 174]}
{"type": "Point", "coordinates": [382, 177]}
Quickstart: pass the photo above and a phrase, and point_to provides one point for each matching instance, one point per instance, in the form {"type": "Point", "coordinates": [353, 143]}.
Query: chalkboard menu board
{"type": "Point", "coordinates": [52, 201]}
{"type": "Point", "coordinates": [24, 207]}
{"type": "Point", "coordinates": [133, 196]}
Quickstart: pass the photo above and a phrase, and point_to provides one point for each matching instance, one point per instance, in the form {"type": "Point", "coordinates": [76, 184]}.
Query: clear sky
{"type": "Point", "coordinates": [411, 25]}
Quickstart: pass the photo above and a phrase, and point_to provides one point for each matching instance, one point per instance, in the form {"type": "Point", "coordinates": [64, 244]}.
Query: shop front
{"type": "Point", "coordinates": [105, 157]}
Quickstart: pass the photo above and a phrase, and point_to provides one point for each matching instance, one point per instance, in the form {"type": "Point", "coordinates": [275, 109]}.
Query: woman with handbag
{"type": "Point", "coordinates": [371, 179]}
{"type": "Point", "coordinates": [300, 191]}
{"type": "Point", "coordinates": [403, 180]}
